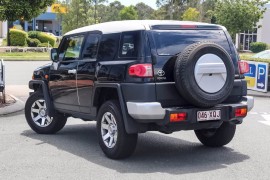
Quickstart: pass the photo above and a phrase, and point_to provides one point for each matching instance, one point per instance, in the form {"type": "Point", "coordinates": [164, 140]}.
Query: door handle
{"type": "Point", "coordinates": [72, 71]}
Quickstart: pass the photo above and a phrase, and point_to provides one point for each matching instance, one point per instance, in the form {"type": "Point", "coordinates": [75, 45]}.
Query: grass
{"type": "Point", "coordinates": [24, 56]}
{"type": "Point", "coordinates": [247, 56]}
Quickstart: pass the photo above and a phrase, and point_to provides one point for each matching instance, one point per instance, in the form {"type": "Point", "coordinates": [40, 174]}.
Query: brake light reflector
{"type": "Point", "coordinates": [240, 112]}
{"type": "Point", "coordinates": [141, 70]}
{"type": "Point", "coordinates": [188, 26]}
{"type": "Point", "coordinates": [176, 117]}
{"type": "Point", "coordinates": [243, 67]}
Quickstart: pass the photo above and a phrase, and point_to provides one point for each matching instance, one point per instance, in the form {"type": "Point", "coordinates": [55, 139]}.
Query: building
{"type": "Point", "coordinates": [262, 34]}
{"type": "Point", "coordinates": [46, 22]}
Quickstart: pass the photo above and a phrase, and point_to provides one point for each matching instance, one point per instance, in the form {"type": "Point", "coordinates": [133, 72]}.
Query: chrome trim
{"type": "Point", "coordinates": [249, 101]}
{"type": "Point", "coordinates": [145, 110]}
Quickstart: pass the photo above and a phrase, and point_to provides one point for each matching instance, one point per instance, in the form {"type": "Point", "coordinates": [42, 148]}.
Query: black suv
{"type": "Point", "coordinates": [138, 76]}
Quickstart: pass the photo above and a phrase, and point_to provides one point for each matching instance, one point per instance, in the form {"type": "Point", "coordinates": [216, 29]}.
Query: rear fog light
{"type": "Point", "coordinates": [176, 117]}
{"type": "Point", "coordinates": [240, 112]}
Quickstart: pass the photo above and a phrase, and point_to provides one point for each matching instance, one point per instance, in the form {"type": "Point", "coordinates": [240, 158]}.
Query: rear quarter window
{"type": "Point", "coordinates": [172, 42]}
{"type": "Point", "coordinates": [108, 47]}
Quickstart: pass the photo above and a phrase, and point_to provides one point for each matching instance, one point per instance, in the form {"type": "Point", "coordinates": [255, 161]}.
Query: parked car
{"type": "Point", "coordinates": [173, 76]}
{"type": "Point", "coordinates": [262, 55]}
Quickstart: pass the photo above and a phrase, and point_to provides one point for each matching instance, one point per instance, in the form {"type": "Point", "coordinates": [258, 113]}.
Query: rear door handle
{"type": "Point", "coordinates": [72, 71]}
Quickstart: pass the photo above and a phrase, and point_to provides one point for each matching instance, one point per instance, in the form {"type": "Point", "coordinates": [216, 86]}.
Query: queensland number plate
{"type": "Point", "coordinates": [208, 115]}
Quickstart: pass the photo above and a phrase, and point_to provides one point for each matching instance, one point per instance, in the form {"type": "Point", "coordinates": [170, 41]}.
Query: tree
{"type": "Point", "coordinates": [191, 14]}
{"type": "Point", "coordinates": [111, 13]}
{"type": "Point", "coordinates": [207, 11]}
{"type": "Point", "coordinates": [128, 13]}
{"type": "Point", "coordinates": [80, 13]}
{"type": "Point", "coordinates": [12, 10]}
{"type": "Point", "coordinates": [239, 15]}
{"type": "Point", "coordinates": [144, 11]}
{"type": "Point", "coordinates": [176, 8]}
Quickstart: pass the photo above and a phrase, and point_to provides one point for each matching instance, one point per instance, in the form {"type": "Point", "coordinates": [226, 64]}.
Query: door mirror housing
{"type": "Point", "coordinates": [54, 55]}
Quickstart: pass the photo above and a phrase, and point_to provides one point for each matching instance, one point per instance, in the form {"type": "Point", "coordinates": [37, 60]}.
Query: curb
{"type": "Point", "coordinates": [16, 107]}
{"type": "Point", "coordinates": [258, 94]}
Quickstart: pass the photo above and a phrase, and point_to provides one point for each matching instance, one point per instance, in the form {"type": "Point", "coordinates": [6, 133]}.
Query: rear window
{"type": "Point", "coordinates": [172, 42]}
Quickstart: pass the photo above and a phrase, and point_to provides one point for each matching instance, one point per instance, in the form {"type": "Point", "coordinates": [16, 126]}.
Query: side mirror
{"type": "Point", "coordinates": [54, 55]}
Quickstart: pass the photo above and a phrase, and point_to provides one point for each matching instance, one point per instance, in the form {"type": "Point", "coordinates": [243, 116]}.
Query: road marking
{"type": "Point", "coordinates": [267, 119]}
{"type": "Point", "coordinates": [253, 113]}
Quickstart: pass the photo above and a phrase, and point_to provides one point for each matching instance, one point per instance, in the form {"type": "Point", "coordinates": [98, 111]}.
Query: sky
{"type": "Point", "coordinates": [151, 3]}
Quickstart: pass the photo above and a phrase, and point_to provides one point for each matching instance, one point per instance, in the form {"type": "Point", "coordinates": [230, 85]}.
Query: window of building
{"type": "Point", "coordinates": [247, 38]}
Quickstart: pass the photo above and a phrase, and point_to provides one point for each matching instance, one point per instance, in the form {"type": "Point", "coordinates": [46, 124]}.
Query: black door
{"type": "Point", "coordinates": [86, 73]}
{"type": "Point", "coordinates": [62, 83]}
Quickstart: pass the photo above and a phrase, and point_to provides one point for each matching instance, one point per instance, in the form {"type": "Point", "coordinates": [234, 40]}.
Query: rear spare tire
{"type": "Point", "coordinates": [204, 74]}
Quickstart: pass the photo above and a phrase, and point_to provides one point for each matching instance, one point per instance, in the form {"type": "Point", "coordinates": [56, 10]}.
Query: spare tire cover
{"type": "Point", "coordinates": [204, 74]}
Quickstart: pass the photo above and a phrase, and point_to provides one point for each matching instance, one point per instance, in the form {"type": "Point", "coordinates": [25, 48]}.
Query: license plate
{"type": "Point", "coordinates": [208, 115]}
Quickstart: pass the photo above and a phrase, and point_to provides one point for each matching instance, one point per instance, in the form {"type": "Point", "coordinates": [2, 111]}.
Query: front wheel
{"type": "Point", "coordinates": [112, 136]}
{"type": "Point", "coordinates": [37, 116]}
{"type": "Point", "coordinates": [217, 137]}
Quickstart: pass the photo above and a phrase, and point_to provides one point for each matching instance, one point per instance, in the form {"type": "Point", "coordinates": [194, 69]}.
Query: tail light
{"type": "Point", "coordinates": [141, 70]}
{"type": "Point", "coordinates": [240, 112]}
{"type": "Point", "coordinates": [176, 117]}
{"type": "Point", "coordinates": [243, 67]}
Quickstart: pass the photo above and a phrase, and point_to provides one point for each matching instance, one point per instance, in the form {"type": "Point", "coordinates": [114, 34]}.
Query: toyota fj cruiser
{"type": "Point", "coordinates": [138, 76]}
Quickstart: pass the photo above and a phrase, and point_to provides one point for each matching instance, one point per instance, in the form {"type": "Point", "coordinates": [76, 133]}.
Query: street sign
{"type": "Point", "coordinates": [257, 77]}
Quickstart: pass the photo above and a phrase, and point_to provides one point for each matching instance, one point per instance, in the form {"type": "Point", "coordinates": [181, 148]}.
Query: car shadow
{"type": "Point", "coordinates": [154, 152]}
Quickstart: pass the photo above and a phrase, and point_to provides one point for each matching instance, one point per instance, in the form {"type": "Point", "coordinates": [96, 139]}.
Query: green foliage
{"type": "Point", "coordinates": [128, 13]}
{"type": "Point", "coordinates": [256, 47]}
{"type": "Point", "coordinates": [144, 11]}
{"type": "Point", "coordinates": [207, 12]}
{"type": "Point", "coordinates": [33, 34]}
{"type": "Point", "coordinates": [33, 42]}
{"type": "Point", "coordinates": [80, 13]}
{"type": "Point", "coordinates": [175, 8]}
{"type": "Point", "coordinates": [16, 9]}
{"type": "Point", "coordinates": [18, 37]}
{"type": "Point", "coordinates": [110, 12]}
{"type": "Point", "coordinates": [45, 38]}
{"type": "Point", "coordinates": [44, 45]}
{"type": "Point", "coordinates": [191, 14]}
{"type": "Point", "coordinates": [239, 15]}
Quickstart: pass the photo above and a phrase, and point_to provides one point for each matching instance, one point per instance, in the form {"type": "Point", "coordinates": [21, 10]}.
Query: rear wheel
{"type": "Point", "coordinates": [112, 136]}
{"type": "Point", "coordinates": [37, 116]}
{"type": "Point", "coordinates": [217, 137]}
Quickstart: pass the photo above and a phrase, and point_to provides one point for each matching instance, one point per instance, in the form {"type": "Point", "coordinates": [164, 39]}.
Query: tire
{"type": "Point", "coordinates": [35, 107]}
{"type": "Point", "coordinates": [204, 89]}
{"type": "Point", "coordinates": [216, 137]}
{"type": "Point", "coordinates": [117, 144]}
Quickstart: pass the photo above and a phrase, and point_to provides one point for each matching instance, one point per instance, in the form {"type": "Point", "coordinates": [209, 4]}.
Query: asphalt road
{"type": "Point", "coordinates": [74, 153]}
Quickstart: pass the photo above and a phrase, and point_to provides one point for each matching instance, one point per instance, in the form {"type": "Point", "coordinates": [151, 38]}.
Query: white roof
{"type": "Point", "coordinates": [130, 25]}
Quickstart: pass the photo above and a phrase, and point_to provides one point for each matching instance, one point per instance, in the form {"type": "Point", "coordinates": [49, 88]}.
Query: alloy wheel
{"type": "Point", "coordinates": [109, 129]}
{"type": "Point", "coordinates": [39, 113]}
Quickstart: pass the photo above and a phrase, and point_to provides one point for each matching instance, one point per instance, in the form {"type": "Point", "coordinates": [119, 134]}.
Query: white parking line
{"type": "Point", "coordinates": [267, 119]}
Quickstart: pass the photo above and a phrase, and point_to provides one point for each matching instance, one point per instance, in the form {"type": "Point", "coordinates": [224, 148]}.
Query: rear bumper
{"type": "Point", "coordinates": [152, 112]}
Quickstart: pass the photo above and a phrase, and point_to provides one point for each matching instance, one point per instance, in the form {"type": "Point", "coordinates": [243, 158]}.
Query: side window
{"type": "Point", "coordinates": [71, 48]}
{"type": "Point", "coordinates": [108, 47]}
{"type": "Point", "coordinates": [91, 47]}
{"type": "Point", "coordinates": [129, 44]}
